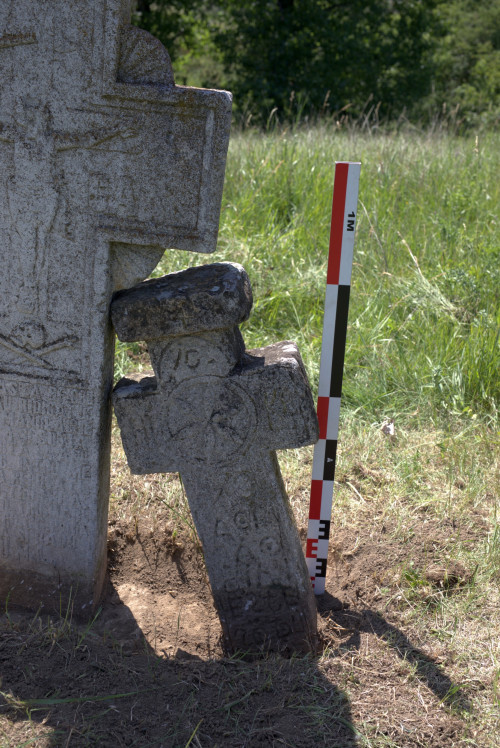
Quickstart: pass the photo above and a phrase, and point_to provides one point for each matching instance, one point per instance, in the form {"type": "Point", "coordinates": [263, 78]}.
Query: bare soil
{"type": "Point", "coordinates": [151, 671]}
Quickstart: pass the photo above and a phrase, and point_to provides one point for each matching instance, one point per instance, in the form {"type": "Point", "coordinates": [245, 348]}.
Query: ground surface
{"type": "Point", "coordinates": [150, 670]}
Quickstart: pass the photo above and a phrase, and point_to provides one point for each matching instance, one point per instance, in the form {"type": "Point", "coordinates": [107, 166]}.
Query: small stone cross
{"type": "Point", "coordinates": [215, 413]}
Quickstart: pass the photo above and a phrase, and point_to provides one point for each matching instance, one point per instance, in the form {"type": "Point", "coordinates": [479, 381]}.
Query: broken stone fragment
{"type": "Point", "coordinates": [209, 297]}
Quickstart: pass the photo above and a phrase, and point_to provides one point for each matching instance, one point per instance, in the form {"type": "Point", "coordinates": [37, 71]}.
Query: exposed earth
{"type": "Point", "coordinates": [151, 671]}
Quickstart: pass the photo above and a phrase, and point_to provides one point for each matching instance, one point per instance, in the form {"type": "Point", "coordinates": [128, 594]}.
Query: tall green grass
{"type": "Point", "coordinates": [424, 320]}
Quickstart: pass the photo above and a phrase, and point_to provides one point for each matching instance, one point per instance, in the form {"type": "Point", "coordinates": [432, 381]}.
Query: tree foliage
{"type": "Point", "coordinates": [466, 59]}
{"type": "Point", "coordinates": [173, 22]}
{"type": "Point", "coordinates": [418, 56]}
{"type": "Point", "coordinates": [341, 51]}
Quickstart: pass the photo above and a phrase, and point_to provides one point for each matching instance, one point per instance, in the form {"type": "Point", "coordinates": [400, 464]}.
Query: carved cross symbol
{"type": "Point", "coordinates": [33, 198]}
{"type": "Point", "coordinates": [216, 414]}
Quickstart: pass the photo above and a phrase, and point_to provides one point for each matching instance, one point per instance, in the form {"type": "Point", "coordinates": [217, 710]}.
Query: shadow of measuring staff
{"type": "Point", "coordinates": [90, 688]}
{"type": "Point", "coordinates": [371, 622]}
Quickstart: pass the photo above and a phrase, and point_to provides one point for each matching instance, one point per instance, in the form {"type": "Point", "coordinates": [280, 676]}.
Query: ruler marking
{"type": "Point", "coordinates": [312, 547]}
{"type": "Point", "coordinates": [332, 427]}
{"type": "Point", "coordinates": [319, 460]}
{"type": "Point", "coordinates": [316, 499]}
{"type": "Point", "coordinates": [349, 226]}
{"type": "Point", "coordinates": [326, 500]}
{"type": "Point", "coordinates": [322, 548]}
{"type": "Point", "coordinates": [339, 341]}
{"type": "Point", "coordinates": [337, 225]}
{"type": "Point", "coordinates": [339, 270]}
{"type": "Point", "coordinates": [329, 463]}
{"type": "Point", "coordinates": [324, 529]}
{"type": "Point", "coordinates": [313, 531]}
{"type": "Point", "coordinates": [331, 297]}
{"type": "Point", "coordinates": [323, 408]}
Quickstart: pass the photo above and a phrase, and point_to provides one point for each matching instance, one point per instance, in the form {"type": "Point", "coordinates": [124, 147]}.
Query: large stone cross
{"type": "Point", "coordinates": [104, 163]}
{"type": "Point", "coordinates": [216, 413]}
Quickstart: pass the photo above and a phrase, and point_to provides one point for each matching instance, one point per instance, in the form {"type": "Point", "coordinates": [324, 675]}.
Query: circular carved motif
{"type": "Point", "coordinates": [210, 418]}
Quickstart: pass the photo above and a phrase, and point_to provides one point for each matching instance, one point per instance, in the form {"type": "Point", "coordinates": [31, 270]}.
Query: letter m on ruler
{"type": "Point", "coordinates": [338, 286]}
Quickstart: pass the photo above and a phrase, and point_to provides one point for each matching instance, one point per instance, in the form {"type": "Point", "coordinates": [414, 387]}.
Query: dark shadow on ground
{"type": "Point", "coordinates": [79, 685]}
{"type": "Point", "coordinates": [371, 622]}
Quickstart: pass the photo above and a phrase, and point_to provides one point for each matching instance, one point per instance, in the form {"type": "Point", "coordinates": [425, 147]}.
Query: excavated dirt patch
{"type": "Point", "coordinates": [159, 589]}
{"type": "Point", "coordinates": [150, 670]}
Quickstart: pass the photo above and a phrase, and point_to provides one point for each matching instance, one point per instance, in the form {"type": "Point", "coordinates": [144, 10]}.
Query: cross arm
{"type": "Point", "coordinates": [275, 378]}
{"type": "Point", "coordinates": [143, 414]}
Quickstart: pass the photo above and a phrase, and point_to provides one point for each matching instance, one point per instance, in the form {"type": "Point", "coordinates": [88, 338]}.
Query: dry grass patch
{"type": "Point", "coordinates": [409, 626]}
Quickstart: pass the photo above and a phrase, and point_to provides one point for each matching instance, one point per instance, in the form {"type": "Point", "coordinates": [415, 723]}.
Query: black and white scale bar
{"type": "Point", "coordinates": [338, 286]}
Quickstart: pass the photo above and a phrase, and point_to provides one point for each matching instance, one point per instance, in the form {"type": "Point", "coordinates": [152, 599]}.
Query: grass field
{"type": "Point", "coordinates": [424, 311]}
{"type": "Point", "coordinates": [411, 654]}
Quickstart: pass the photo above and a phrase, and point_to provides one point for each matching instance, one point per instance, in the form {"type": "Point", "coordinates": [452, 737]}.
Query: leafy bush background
{"type": "Point", "coordinates": [425, 60]}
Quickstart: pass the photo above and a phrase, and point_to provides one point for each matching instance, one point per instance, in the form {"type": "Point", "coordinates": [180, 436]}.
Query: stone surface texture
{"type": "Point", "coordinates": [216, 414]}
{"type": "Point", "coordinates": [104, 164]}
{"type": "Point", "coordinates": [209, 297]}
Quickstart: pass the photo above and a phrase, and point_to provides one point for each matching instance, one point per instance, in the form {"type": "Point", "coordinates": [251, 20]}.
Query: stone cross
{"type": "Point", "coordinates": [104, 163]}
{"type": "Point", "coordinates": [216, 413]}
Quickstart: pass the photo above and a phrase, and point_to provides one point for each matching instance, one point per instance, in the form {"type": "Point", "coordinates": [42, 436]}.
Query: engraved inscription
{"type": "Point", "coordinates": [13, 40]}
{"type": "Point", "coordinates": [10, 36]}
{"type": "Point", "coordinates": [155, 203]}
{"type": "Point", "coordinates": [263, 617]}
{"type": "Point", "coordinates": [43, 432]}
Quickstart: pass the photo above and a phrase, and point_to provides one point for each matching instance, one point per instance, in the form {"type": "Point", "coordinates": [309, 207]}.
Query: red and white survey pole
{"type": "Point", "coordinates": [338, 286]}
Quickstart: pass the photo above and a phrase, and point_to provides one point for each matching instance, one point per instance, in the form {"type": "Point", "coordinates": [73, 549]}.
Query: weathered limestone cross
{"type": "Point", "coordinates": [216, 414]}
{"type": "Point", "coordinates": [104, 163]}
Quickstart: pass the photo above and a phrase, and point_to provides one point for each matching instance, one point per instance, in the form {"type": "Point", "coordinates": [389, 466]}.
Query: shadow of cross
{"type": "Point", "coordinates": [216, 413]}
{"type": "Point", "coordinates": [104, 164]}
